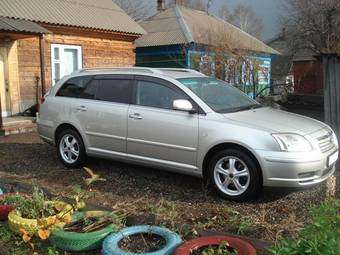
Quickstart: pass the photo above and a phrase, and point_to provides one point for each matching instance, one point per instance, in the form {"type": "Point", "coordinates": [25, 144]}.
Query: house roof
{"type": "Point", "coordinates": [16, 25]}
{"type": "Point", "coordinates": [92, 14]}
{"type": "Point", "coordinates": [180, 25]}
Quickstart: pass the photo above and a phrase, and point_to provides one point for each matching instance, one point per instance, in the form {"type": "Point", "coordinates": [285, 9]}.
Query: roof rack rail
{"type": "Point", "coordinates": [184, 70]}
{"type": "Point", "coordinates": [122, 69]}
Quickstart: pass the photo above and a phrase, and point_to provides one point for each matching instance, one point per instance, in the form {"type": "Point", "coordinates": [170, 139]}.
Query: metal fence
{"type": "Point", "coordinates": [331, 76]}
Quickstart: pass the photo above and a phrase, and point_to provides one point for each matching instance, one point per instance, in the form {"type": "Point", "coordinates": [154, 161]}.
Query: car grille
{"type": "Point", "coordinates": [326, 142]}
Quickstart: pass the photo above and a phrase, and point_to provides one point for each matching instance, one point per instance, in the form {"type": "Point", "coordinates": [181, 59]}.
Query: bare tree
{"type": "Point", "coordinates": [313, 25]}
{"type": "Point", "coordinates": [225, 13]}
{"type": "Point", "coordinates": [136, 9]}
{"type": "Point", "coordinates": [202, 5]}
{"type": "Point", "coordinates": [244, 17]}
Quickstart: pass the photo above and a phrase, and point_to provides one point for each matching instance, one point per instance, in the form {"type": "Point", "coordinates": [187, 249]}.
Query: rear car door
{"type": "Point", "coordinates": [101, 111]}
{"type": "Point", "coordinates": [156, 132]}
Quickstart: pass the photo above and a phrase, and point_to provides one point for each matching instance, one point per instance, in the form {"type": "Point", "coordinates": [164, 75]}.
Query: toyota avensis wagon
{"type": "Point", "coordinates": [186, 122]}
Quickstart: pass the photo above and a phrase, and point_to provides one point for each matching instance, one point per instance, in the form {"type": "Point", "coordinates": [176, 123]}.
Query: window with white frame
{"type": "Point", "coordinates": [65, 60]}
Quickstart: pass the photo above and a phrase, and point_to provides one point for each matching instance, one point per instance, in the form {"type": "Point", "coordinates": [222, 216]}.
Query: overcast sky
{"type": "Point", "coordinates": [268, 10]}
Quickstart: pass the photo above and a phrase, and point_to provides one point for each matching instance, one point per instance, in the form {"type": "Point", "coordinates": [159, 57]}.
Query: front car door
{"type": "Point", "coordinates": [157, 133]}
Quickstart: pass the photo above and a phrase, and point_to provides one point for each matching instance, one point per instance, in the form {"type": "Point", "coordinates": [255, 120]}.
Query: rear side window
{"type": "Point", "coordinates": [114, 90]}
{"type": "Point", "coordinates": [76, 87]}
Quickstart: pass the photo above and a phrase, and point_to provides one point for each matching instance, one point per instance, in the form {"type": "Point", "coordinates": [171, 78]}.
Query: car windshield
{"type": "Point", "coordinates": [219, 95]}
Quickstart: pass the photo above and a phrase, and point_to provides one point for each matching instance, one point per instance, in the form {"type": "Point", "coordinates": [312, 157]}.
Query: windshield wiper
{"type": "Point", "coordinates": [241, 108]}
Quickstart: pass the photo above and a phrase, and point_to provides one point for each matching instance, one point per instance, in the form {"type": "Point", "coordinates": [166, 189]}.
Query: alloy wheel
{"type": "Point", "coordinates": [231, 175]}
{"type": "Point", "coordinates": [69, 149]}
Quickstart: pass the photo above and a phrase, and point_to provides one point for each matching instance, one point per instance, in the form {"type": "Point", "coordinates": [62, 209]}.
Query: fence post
{"type": "Point", "coordinates": [331, 77]}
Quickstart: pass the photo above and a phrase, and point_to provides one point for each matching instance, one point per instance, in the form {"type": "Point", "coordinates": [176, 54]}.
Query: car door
{"type": "Point", "coordinates": [100, 110]}
{"type": "Point", "coordinates": [156, 132]}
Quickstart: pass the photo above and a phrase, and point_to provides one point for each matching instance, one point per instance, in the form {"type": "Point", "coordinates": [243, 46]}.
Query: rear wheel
{"type": "Point", "coordinates": [235, 175]}
{"type": "Point", "coordinates": [71, 148]}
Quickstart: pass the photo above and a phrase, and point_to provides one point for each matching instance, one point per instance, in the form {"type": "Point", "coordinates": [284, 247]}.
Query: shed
{"type": "Point", "coordinates": [183, 37]}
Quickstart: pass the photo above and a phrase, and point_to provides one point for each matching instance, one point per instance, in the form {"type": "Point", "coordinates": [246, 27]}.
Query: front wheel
{"type": "Point", "coordinates": [235, 175]}
{"type": "Point", "coordinates": [71, 148]}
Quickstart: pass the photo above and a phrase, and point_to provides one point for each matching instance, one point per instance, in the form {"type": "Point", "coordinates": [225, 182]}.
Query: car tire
{"type": "Point", "coordinates": [71, 149]}
{"type": "Point", "coordinates": [235, 175]}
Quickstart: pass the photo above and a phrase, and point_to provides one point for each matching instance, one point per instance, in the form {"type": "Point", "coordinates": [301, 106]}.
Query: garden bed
{"type": "Point", "coordinates": [179, 202]}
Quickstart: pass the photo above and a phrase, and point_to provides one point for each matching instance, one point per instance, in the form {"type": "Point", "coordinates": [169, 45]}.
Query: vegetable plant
{"type": "Point", "coordinates": [11, 200]}
{"type": "Point", "coordinates": [222, 249]}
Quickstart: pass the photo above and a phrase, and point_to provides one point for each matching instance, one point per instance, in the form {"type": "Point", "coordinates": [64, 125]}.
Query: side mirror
{"type": "Point", "coordinates": [183, 105]}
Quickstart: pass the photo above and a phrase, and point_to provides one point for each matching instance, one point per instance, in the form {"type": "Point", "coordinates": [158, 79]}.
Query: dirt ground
{"type": "Point", "coordinates": [175, 199]}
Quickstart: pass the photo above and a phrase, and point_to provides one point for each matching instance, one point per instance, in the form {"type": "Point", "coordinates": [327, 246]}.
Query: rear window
{"type": "Point", "coordinates": [75, 87]}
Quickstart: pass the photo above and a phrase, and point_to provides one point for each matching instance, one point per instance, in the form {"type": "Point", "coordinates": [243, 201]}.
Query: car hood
{"type": "Point", "coordinates": [276, 121]}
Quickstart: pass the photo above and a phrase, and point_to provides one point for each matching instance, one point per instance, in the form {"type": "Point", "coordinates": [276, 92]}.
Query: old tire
{"type": "Point", "coordinates": [242, 247]}
{"type": "Point", "coordinates": [16, 222]}
{"type": "Point", "coordinates": [111, 247]}
{"type": "Point", "coordinates": [235, 175]}
{"type": "Point", "coordinates": [72, 241]}
{"type": "Point", "coordinates": [71, 149]}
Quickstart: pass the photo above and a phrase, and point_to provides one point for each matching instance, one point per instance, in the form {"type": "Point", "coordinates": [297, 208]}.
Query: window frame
{"type": "Point", "coordinates": [61, 60]}
{"type": "Point", "coordinates": [167, 84]}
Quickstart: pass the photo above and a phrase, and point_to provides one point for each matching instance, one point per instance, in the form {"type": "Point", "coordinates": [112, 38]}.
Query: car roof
{"type": "Point", "coordinates": [175, 73]}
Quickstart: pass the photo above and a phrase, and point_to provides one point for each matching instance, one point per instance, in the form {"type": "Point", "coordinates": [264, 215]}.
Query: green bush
{"type": "Point", "coordinates": [321, 237]}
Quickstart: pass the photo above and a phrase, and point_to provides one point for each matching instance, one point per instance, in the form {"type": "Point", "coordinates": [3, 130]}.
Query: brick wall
{"type": "Point", "coordinates": [96, 51]}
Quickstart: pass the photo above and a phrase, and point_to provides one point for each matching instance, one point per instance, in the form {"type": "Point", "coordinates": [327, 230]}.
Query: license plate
{"type": "Point", "coordinates": [332, 158]}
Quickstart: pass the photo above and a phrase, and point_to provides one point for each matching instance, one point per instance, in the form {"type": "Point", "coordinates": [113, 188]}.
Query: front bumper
{"type": "Point", "coordinates": [295, 170]}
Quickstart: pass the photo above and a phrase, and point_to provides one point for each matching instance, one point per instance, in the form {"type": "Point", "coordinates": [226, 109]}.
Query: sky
{"type": "Point", "coordinates": [268, 10]}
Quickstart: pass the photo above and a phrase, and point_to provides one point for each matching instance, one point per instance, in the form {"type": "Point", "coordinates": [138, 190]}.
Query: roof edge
{"type": "Point", "coordinates": [184, 26]}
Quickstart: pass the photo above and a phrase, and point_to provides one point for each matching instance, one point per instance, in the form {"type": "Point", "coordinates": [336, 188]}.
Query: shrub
{"type": "Point", "coordinates": [321, 237]}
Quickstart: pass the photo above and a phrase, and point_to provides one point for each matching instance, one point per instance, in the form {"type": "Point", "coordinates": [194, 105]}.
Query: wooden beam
{"type": "Point", "coordinates": [42, 65]}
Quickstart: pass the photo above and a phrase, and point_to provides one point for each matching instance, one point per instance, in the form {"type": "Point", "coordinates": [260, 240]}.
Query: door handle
{"type": "Point", "coordinates": [82, 108]}
{"type": "Point", "coordinates": [135, 116]}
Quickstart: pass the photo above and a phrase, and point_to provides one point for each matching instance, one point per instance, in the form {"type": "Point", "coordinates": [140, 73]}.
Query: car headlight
{"type": "Point", "coordinates": [335, 140]}
{"type": "Point", "coordinates": [292, 142]}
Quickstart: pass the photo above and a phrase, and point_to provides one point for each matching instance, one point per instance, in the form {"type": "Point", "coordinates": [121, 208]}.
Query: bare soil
{"type": "Point", "coordinates": [176, 200]}
{"type": "Point", "coordinates": [142, 243]}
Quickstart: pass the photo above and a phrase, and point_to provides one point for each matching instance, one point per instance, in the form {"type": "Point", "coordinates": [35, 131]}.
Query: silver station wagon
{"type": "Point", "coordinates": [184, 121]}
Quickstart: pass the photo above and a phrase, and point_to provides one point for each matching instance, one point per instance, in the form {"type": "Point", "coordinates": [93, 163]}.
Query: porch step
{"type": "Point", "coordinates": [18, 125]}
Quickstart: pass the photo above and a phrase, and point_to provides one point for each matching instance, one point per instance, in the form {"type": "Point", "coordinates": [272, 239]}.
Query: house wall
{"type": "Point", "coordinates": [96, 52]}
{"type": "Point", "coordinates": [172, 56]}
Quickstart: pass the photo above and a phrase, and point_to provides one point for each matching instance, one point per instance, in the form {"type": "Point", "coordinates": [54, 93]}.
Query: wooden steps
{"type": "Point", "coordinates": [18, 125]}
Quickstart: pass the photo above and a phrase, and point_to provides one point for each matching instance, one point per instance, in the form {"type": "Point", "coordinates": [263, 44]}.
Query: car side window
{"type": "Point", "coordinates": [114, 90]}
{"type": "Point", "coordinates": [75, 87]}
{"type": "Point", "coordinates": [156, 95]}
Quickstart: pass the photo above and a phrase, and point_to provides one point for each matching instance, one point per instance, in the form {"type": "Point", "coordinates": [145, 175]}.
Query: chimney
{"type": "Point", "coordinates": [160, 5]}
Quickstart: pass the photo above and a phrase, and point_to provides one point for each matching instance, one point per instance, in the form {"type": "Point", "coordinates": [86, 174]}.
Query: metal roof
{"type": "Point", "coordinates": [180, 25]}
{"type": "Point", "coordinates": [92, 14]}
{"type": "Point", "coordinates": [16, 25]}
